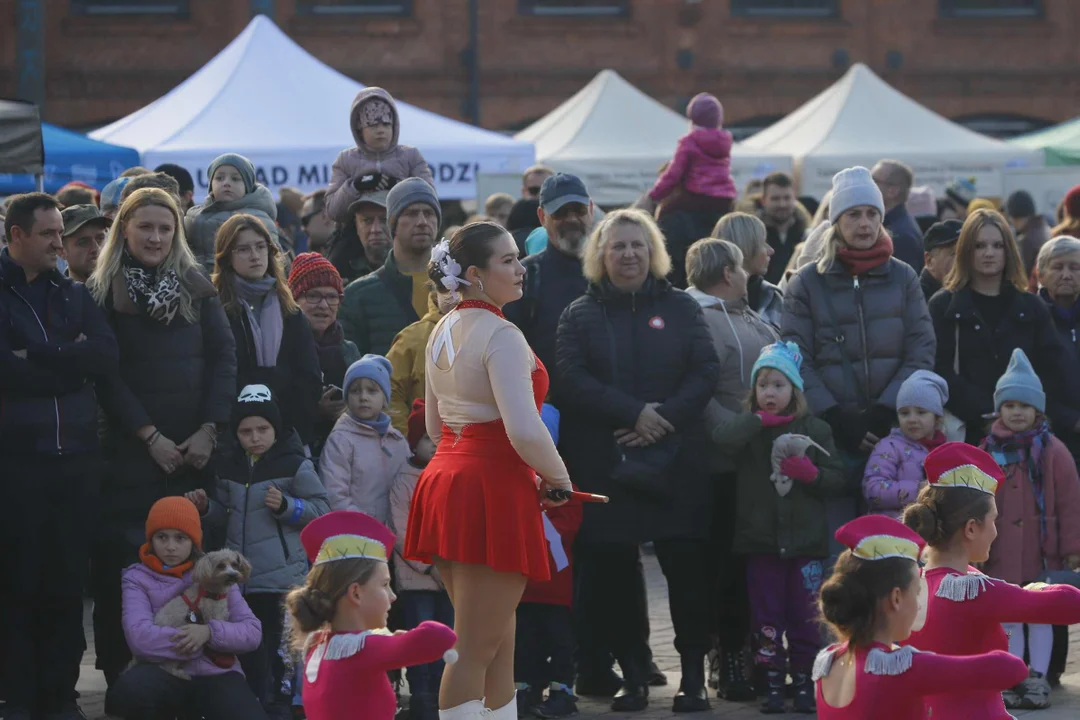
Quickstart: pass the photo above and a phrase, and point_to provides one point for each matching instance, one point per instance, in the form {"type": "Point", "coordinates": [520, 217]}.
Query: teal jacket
{"type": "Point", "coordinates": [767, 524]}
{"type": "Point", "coordinates": [376, 308]}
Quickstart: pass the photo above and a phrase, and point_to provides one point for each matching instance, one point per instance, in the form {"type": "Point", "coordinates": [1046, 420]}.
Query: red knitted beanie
{"type": "Point", "coordinates": [312, 270]}
{"type": "Point", "coordinates": [175, 513]}
{"type": "Point", "coordinates": [417, 427]}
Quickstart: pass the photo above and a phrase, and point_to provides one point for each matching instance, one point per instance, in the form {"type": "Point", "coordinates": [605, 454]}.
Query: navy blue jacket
{"type": "Point", "coordinates": [47, 399]}
{"type": "Point", "coordinates": [906, 237]}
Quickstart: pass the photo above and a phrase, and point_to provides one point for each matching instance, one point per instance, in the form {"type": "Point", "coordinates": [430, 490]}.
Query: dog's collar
{"type": "Point", "coordinates": [195, 615]}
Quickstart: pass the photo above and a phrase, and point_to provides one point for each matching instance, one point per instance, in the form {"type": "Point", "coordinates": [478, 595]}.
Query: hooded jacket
{"type": "Point", "coordinates": [738, 334]}
{"type": "Point", "coordinates": [407, 357]}
{"type": "Point", "coordinates": [701, 164]}
{"type": "Point", "coordinates": [397, 161]}
{"type": "Point", "coordinates": [358, 467]}
{"type": "Point", "coordinates": [269, 539]}
{"type": "Point", "coordinates": [203, 221]}
{"type": "Point", "coordinates": [145, 592]}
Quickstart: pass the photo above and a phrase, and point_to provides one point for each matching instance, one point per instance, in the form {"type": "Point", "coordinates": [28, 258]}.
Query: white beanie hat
{"type": "Point", "coordinates": [851, 188]}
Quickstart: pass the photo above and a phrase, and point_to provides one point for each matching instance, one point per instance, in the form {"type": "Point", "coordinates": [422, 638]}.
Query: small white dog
{"type": "Point", "coordinates": [205, 599]}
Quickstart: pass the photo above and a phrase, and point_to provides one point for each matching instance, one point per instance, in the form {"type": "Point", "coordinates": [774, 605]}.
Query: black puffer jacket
{"type": "Point", "coordinates": [175, 377]}
{"type": "Point", "coordinates": [616, 352]}
{"type": "Point", "coordinates": [1067, 323]}
{"type": "Point", "coordinates": [296, 378]}
{"type": "Point", "coordinates": [983, 354]}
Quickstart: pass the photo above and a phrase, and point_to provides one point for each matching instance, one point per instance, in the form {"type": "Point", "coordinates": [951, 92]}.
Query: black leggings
{"type": "Point", "coordinates": [264, 666]}
{"type": "Point", "coordinates": [146, 692]}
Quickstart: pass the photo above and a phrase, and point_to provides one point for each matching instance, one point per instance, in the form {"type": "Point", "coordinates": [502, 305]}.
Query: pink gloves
{"type": "Point", "coordinates": [770, 421]}
{"type": "Point", "coordinates": [799, 468]}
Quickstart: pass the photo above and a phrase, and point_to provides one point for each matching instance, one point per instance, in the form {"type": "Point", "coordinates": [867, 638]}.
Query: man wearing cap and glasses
{"type": "Point", "coordinates": [85, 230]}
{"type": "Point", "coordinates": [939, 252]}
{"type": "Point", "coordinates": [360, 246]}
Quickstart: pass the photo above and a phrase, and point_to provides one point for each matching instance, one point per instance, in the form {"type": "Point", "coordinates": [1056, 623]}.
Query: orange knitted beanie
{"type": "Point", "coordinates": [175, 513]}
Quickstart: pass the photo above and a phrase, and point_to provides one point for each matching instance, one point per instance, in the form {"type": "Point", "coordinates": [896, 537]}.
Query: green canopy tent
{"type": "Point", "coordinates": [1060, 143]}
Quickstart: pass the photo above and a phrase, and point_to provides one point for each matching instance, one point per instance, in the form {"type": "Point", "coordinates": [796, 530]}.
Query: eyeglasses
{"type": "Point", "coordinates": [533, 190]}
{"type": "Point", "coordinates": [315, 299]}
{"type": "Point", "coordinates": [251, 250]}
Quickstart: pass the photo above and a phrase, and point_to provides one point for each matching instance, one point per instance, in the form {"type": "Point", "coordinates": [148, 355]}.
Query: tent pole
{"type": "Point", "coordinates": [474, 62]}
{"type": "Point", "coordinates": [39, 180]}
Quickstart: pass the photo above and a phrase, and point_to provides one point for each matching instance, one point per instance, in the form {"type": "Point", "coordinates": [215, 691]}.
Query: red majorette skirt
{"type": "Point", "coordinates": [477, 502]}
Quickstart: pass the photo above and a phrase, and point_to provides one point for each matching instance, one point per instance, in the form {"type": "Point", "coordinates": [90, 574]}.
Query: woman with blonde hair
{"type": "Point", "coordinates": [637, 367]}
{"type": "Point", "coordinates": [748, 233]}
{"type": "Point", "coordinates": [174, 389]}
{"type": "Point", "coordinates": [982, 314]}
{"type": "Point", "coordinates": [860, 319]}
{"type": "Point", "coordinates": [274, 343]}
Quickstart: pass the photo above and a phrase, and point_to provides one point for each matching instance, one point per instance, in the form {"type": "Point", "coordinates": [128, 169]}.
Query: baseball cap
{"type": "Point", "coordinates": [560, 189]}
{"type": "Point", "coordinates": [941, 234]}
{"type": "Point", "coordinates": [76, 216]}
{"type": "Point", "coordinates": [377, 197]}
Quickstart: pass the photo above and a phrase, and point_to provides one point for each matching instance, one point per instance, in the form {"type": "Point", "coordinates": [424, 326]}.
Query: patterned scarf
{"type": "Point", "coordinates": [155, 293]}
{"type": "Point", "coordinates": [1024, 448]}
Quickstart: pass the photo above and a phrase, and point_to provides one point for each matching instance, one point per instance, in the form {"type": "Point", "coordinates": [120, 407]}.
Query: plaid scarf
{"type": "Point", "coordinates": [1026, 448]}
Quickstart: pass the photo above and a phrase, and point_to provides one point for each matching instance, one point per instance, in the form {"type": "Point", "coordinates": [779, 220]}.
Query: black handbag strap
{"type": "Point", "coordinates": [839, 338]}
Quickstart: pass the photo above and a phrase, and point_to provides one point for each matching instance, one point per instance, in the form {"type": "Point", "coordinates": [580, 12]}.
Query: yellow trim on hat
{"type": "Point", "coordinates": [879, 547]}
{"type": "Point", "coordinates": [968, 476]}
{"type": "Point", "coordinates": [349, 547]}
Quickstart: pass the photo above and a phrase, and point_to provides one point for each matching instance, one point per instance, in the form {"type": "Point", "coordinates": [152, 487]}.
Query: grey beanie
{"type": "Point", "coordinates": [405, 193]}
{"type": "Point", "coordinates": [241, 163]}
{"type": "Point", "coordinates": [852, 188]}
{"type": "Point", "coordinates": [1020, 384]}
{"type": "Point", "coordinates": [926, 390]}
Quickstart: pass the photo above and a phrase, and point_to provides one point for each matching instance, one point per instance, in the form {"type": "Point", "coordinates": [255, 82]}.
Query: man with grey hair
{"type": "Point", "coordinates": [895, 179]}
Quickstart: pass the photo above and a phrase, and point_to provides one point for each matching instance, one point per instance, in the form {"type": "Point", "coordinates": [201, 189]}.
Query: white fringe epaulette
{"type": "Point", "coordinates": [959, 588]}
{"type": "Point", "coordinates": [823, 662]}
{"type": "Point", "coordinates": [338, 647]}
{"type": "Point", "coordinates": [889, 662]}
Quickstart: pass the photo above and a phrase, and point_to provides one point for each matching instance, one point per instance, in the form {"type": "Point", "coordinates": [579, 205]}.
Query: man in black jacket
{"type": "Point", "coordinates": [784, 229]}
{"type": "Point", "coordinates": [54, 343]}
{"type": "Point", "coordinates": [895, 179]}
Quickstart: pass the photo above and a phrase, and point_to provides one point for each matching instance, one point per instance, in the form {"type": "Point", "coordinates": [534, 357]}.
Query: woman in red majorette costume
{"type": "Point", "coordinates": [871, 601]}
{"type": "Point", "coordinates": [476, 512]}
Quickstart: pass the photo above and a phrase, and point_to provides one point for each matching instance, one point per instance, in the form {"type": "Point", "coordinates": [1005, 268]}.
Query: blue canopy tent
{"type": "Point", "coordinates": [72, 156]}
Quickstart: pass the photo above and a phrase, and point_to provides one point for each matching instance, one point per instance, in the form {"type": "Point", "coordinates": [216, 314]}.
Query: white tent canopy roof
{"type": "Point", "coordinates": [615, 137]}
{"type": "Point", "coordinates": [232, 105]}
{"type": "Point", "coordinates": [861, 119]}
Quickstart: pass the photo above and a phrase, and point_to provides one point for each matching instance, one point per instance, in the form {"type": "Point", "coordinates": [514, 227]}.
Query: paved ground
{"type": "Point", "coordinates": [1066, 700]}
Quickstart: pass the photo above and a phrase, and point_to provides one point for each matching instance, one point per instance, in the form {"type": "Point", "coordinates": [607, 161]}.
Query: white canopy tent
{"type": "Point", "coordinates": [235, 104]}
{"type": "Point", "coordinates": [615, 138]}
{"type": "Point", "coordinates": [861, 119]}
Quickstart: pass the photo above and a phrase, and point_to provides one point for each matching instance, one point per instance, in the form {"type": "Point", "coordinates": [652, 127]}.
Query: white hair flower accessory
{"type": "Point", "coordinates": [449, 267]}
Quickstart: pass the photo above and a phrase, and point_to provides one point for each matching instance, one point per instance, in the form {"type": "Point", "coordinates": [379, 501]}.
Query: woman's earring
{"type": "Point", "coordinates": [480, 285]}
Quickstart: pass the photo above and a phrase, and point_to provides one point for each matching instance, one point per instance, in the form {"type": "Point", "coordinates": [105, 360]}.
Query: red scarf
{"type": "Point", "coordinates": [152, 561]}
{"type": "Point", "coordinates": [935, 440]}
{"type": "Point", "coordinates": [856, 262]}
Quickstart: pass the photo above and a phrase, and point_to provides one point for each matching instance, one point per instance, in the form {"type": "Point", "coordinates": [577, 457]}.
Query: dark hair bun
{"type": "Point", "coordinates": [846, 602]}
{"type": "Point", "coordinates": [922, 518]}
{"type": "Point", "coordinates": [469, 246]}
{"type": "Point", "coordinates": [312, 608]}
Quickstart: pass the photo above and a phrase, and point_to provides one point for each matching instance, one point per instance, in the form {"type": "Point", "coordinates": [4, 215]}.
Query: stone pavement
{"type": "Point", "coordinates": [1066, 701]}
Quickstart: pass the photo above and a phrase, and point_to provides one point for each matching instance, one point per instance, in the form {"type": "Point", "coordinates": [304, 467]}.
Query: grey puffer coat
{"type": "Point", "coordinates": [270, 540]}
{"type": "Point", "coordinates": [203, 221]}
{"type": "Point", "coordinates": [738, 334]}
{"type": "Point", "coordinates": [885, 330]}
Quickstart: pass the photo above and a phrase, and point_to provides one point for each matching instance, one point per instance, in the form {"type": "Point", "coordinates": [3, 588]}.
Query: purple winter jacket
{"type": "Point", "coordinates": [894, 474]}
{"type": "Point", "coordinates": [702, 165]}
{"type": "Point", "coordinates": [145, 592]}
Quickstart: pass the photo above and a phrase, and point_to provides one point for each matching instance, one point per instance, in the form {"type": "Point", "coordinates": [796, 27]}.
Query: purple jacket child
{"type": "Point", "coordinates": [894, 474]}
{"type": "Point", "coordinates": [145, 592]}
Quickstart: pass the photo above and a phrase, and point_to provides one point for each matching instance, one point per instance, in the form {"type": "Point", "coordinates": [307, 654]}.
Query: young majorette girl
{"type": "Point", "coordinates": [894, 474]}
{"type": "Point", "coordinates": [781, 524]}
{"type": "Point", "coordinates": [870, 602]}
{"type": "Point", "coordinates": [955, 514]}
{"type": "Point", "coordinates": [1038, 519]}
{"type": "Point", "coordinates": [340, 620]}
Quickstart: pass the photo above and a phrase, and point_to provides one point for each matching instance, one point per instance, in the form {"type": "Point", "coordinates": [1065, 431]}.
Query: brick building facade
{"type": "Point", "coordinates": [763, 58]}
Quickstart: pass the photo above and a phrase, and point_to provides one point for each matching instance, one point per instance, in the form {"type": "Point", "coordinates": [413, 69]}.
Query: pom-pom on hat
{"type": "Point", "coordinates": [345, 535]}
{"type": "Point", "coordinates": [175, 513]}
{"type": "Point", "coordinates": [926, 390]}
{"type": "Point", "coordinates": [877, 537]}
{"type": "Point", "coordinates": [416, 426]}
{"type": "Point", "coordinates": [704, 110]}
{"type": "Point", "coordinates": [959, 465]}
{"type": "Point", "coordinates": [312, 270]}
{"type": "Point", "coordinates": [854, 187]}
{"type": "Point", "coordinates": [782, 356]}
{"type": "Point", "coordinates": [1020, 384]}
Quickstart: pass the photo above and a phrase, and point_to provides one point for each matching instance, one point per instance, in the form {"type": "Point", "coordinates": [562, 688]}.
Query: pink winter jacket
{"type": "Point", "coordinates": [894, 474]}
{"type": "Point", "coordinates": [145, 592]}
{"type": "Point", "coordinates": [1020, 554]}
{"type": "Point", "coordinates": [358, 467]}
{"type": "Point", "coordinates": [410, 574]}
{"type": "Point", "coordinates": [702, 165]}
{"type": "Point", "coordinates": [399, 161]}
